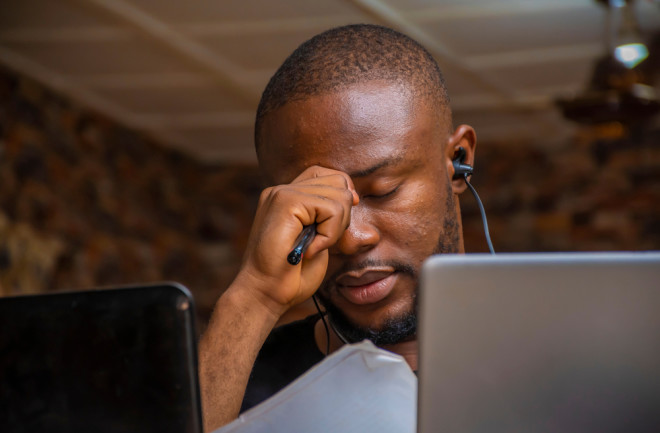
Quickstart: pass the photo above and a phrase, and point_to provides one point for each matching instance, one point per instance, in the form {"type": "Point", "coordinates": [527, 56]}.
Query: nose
{"type": "Point", "coordinates": [360, 236]}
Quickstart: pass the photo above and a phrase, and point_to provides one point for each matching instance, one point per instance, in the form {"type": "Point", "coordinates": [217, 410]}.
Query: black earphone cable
{"type": "Point", "coordinates": [482, 211]}
{"type": "Point", "coordinates": [339, 334]}
{"type": "Point", "coordinates": [325, 325]}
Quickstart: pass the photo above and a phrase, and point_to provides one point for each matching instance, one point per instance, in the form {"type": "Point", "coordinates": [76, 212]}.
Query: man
{"type": "Point", "coordinates": [355, 133]}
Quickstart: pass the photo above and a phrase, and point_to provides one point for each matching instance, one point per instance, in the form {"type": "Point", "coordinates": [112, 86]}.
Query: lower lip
{"type": "Point", "coordinates": [369, 293]}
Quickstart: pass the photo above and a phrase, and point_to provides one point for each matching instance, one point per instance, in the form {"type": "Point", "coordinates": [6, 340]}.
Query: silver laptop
{"type": "Point", "coordinates": [540, 343]}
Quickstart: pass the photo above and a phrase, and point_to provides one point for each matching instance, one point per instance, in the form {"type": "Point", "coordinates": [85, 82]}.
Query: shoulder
{"type": "Point", "coordinates": [289, 352]}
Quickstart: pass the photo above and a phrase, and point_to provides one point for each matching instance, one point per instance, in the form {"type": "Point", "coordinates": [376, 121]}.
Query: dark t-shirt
{"type": "Point", "coordinates": [289, 351]}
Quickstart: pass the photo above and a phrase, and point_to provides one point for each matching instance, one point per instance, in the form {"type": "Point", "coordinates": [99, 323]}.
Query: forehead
{"type": "Point", "coordinates": [348, 130]}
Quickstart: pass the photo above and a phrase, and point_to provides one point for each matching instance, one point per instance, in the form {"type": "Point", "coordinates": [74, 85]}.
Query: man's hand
{"type": "Point", "coordinates": [318, 195]}
{"type": "Point", "coordinates": [267, 285]}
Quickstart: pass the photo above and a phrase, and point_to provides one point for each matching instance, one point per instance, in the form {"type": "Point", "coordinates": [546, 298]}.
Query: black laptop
{"type": "Point", "coordinates": [108, 360]}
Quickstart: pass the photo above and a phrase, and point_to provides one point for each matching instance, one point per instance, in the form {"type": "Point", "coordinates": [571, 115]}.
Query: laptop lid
{"type": "Point", "coordinates": [540, 342]}
{"type": "Point", "coordinates": [110, 360]}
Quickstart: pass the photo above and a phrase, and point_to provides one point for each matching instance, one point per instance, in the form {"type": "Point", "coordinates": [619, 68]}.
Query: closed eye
{"type": "Point", "coordinates": [382, 196]}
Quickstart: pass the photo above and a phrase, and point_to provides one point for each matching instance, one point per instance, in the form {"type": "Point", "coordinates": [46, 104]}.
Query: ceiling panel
{"type": "Point", "coordinates": [258, 51]}
{"type": "Point", "coordinates": [50, 14]}
{"type": "Point", "coordinates": [423, 4]}
{"type": "Point", "coordinates": [174, 11]}
{"type": "Point", "coordinates": [459, 83]}
{"type": "Point", "coordinates": [647, 14]}
{"type": "Point", "coordinates": [486, 34]}
{"type": "Point", "coordinates": [176, 100]}
{"type": "Point", "coordinates": [190, 73]}
{"type": "Point", "coordinates": [569, 74]}
{"type": "Point", "coordinates": [484, 7]}
{"type": "Point", "coordinates": [449, 10]}
{"type": "Point", "coordinates": [135, 55]}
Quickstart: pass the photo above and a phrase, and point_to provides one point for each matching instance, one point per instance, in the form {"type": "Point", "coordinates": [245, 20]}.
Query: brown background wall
{"type": "Point", "coordinates": [85, 202]}
{"type": "Point", "coordinates": [600, 191]}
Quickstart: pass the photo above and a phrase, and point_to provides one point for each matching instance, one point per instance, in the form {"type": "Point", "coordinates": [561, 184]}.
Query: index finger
{"type": "Point", "coordinates": [317, 175]}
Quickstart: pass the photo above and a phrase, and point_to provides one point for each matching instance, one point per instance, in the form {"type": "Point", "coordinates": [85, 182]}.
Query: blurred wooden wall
{"type": "Point", "coordinates": [85, 202]}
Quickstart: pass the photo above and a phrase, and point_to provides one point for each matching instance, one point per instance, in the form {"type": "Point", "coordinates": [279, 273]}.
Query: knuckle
{"type": "Point", "coordinates": [343, 181]}
{"type": "Point", "coordinates": [265, 194]}
{"type": "Point", "coordinates": [277, 193]}
{"type": "Point", "coordinates": [338, 207]}
{"type": "Point", "coordinates": [347, 180]}
{"type": "Point", "coordinates": [315, 170]}
{"type": "Point", "coordinates": [344, 216]}
{"type": "Point", "coordinates": [348, 196]}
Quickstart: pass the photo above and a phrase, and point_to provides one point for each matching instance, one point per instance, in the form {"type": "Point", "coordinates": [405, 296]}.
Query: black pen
{"type": "Point", "coordinates": [303, 240]}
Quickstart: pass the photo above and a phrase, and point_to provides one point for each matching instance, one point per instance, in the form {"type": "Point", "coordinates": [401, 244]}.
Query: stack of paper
{"type": "Point", "coordinates": [359, 388]}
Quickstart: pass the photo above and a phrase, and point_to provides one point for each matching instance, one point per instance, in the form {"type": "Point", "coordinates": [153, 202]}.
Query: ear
{"type": "Point", "coordinates": [465, 137]}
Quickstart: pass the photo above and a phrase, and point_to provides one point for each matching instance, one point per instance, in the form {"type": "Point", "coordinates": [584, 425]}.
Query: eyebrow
{"type": "Point", "coordinates": [382, 164]}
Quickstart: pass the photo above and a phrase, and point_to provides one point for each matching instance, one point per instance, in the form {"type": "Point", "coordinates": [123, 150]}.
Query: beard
{"type": "Point", "coordinates": [398, 328]}
{"type": "Point", "coordinates": [394, 330]}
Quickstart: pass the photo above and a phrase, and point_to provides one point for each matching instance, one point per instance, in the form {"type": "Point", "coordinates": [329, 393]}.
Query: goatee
{"type": "Point", "coordinates": [404, 326]}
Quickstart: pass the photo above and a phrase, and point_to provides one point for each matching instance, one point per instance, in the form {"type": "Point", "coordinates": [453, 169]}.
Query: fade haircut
{"type": "Point", "coordinates": [349, 55]}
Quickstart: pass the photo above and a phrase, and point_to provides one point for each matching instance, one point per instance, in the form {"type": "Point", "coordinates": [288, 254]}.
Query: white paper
{"type": "Point", "coordinates": [359, 388]}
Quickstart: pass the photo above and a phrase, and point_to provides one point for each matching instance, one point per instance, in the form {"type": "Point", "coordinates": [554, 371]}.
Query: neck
{"type": "Point", "coordinates": [407, 349]}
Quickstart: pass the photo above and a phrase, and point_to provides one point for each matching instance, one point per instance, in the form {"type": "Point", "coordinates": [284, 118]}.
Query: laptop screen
{"type": "Point", "coordinates": [107, 360]}
{"type": "Point", "coordinates": [540, 342]}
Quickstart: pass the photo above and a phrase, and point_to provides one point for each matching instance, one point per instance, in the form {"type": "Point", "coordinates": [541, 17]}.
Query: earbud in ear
{"type": "Point", "coordinates": [461, 170]}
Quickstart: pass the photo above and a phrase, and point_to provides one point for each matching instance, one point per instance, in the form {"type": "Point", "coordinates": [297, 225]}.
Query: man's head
{"type": "Point", "coordinates": [372, 103]}
{"type": "Point", "coordinates": [350, 55]}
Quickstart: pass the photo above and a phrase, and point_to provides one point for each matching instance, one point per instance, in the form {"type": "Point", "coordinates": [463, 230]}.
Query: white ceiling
{"type": "Point", "coordinates": [190, 73]}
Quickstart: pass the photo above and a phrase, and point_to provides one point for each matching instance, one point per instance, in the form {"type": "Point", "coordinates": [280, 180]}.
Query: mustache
{"type": "Point", "coordinates": [398, 266]}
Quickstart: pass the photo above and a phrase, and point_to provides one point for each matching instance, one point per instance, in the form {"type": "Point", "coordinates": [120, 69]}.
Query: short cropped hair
{"type": "Point", "coordinates": [349, 55]}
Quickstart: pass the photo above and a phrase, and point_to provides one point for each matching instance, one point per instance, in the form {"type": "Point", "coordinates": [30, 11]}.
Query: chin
{"type": "Point", "coordinates": [386, 326]}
